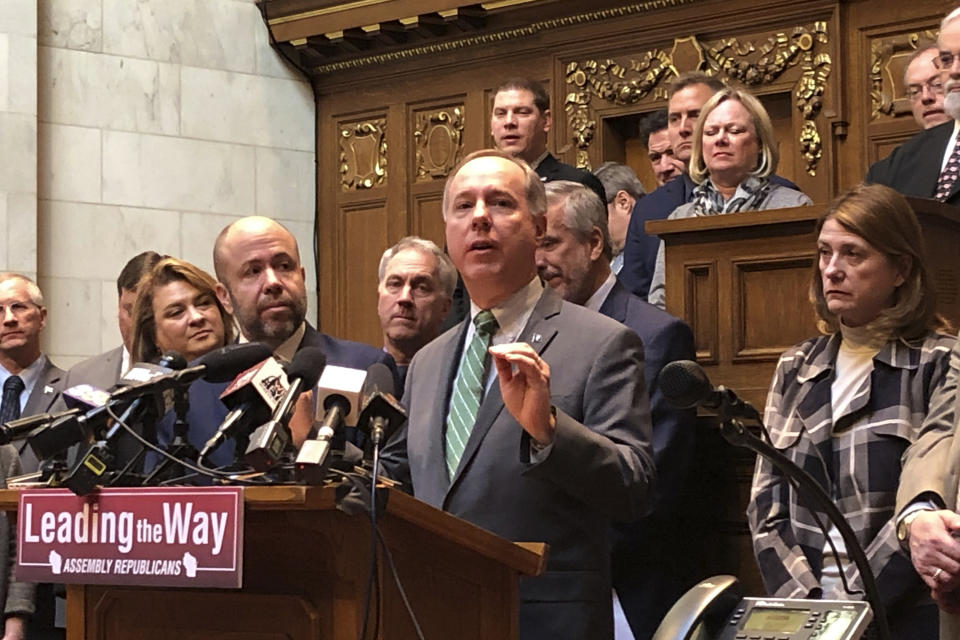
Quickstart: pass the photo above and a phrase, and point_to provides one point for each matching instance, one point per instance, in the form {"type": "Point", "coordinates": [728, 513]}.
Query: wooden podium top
{"type": "Point", "coordinates": [528, 558]}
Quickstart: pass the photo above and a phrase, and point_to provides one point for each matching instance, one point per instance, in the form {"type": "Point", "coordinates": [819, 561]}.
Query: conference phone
{"type": "Point", "coordinates": [715, 610]}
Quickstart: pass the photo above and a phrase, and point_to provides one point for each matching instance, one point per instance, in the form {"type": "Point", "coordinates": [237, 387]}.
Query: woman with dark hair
{"type": "Point", "coordinates": [846, 405]}
{"type": "Point", "coordinates": [177, 310]}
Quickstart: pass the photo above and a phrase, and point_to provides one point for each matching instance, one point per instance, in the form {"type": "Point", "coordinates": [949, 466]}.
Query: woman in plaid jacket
{"type": "Point", "coordinates": [844, 406]}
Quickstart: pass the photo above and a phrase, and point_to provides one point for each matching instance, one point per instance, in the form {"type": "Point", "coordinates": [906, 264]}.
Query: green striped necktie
{"type": "Point", "coordinates": [468, 390]}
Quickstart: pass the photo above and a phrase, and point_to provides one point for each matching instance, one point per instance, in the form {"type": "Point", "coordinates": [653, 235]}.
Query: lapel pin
{"type": "Point", "coordinates": [48, 389]}
{"type": "Point", "coordinates": [537, 337]}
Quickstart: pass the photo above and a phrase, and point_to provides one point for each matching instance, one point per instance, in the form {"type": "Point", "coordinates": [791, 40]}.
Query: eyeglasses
{"type": "Point", "coordinates": [915, 91]}
{"type": "Point", "coordinates": [944, 59]}
{"type": "Point", "coordinates": [16, 308]}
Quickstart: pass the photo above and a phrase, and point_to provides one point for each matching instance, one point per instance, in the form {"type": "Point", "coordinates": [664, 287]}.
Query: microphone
{"type": "Point", "coordinates": [251, 398]}
{"type": "Point", "coordinates": [272, 438]}
{"type": "Point", "coordinates": [338, 396]}
{"type": "Point", "coordinates": [24, 427]}
{"type": "Point", "coordinates": [381, 414]}
{"type": "Point", "coordinates": [220, 365]}
{"type": "Point", "coordinates": [685, 385]}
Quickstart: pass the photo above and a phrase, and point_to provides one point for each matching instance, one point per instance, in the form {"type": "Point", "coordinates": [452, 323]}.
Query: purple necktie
{"type": "Point", "coordinates": [948, 177]}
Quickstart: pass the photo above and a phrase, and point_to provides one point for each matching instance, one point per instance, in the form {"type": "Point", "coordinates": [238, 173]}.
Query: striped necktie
{"type": "Point", "coordinates": [948, 177]}
{"type": "Point", "coordinates": [468, 390]}
{"type": "Point", "coordinates": [10, 404]}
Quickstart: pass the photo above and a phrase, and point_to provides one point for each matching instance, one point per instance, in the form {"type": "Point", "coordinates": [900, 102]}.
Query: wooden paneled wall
{"type": "Point", "coordinates": [390, 128]}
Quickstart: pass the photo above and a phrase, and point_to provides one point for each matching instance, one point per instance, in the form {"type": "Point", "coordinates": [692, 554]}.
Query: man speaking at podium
{"type": "Point", "coordinates": [530, 418]}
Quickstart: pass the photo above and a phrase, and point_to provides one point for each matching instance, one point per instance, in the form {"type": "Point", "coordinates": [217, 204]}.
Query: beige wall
{"type": "Point", "coordinates": [128, 126]}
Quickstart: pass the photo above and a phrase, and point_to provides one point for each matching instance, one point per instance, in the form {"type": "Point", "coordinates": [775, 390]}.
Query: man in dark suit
{"type": "Point", "coordinates": [647, 560]}
{"type": "Point", "coordinates": [263, 284]}
{"type": "Point", "coordinates": [530, 419]}
{"type": "Point", "coordinates": [688, 93]}
{"type": "Point", "coordinates": [519, 123]}
{"type": "Point", "coordinates": [926, 165]}
{"type": "Point", "coordinates": [30, 384]}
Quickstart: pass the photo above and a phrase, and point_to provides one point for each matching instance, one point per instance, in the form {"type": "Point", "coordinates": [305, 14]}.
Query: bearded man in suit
{"type": "Point", "coordinates": [530, 418]}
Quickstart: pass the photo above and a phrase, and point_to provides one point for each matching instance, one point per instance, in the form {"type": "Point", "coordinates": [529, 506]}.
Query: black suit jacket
{"type": "Point", "coordinates": [551, 169]}
{"type": "Point", "coordinates": [646, 562]}
{"type": "Point", "coordinates": [913, 168]}
{"type": "Point", "coordinates": [640, 249]}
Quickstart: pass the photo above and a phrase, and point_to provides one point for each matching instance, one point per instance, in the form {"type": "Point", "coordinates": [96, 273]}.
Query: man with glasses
{"type": "Point", "coordinates": [927, 165]}
{"type": "Point", "coordinates": [924, 87]}
{"type": "Point", "coordinates": [30, 384]}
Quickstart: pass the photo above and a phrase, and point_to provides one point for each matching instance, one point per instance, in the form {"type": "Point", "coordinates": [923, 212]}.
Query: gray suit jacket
{"type": "Point", "coordinates": [931, 466]}
{"type": "Point", "coordinates": [100, 371]}
{"type": "Point", "coordinates": [41, 400]}
{"type": "Point", "coordinates": [600, 467]}
{"type": "Point", "coordinates": [18, 597]}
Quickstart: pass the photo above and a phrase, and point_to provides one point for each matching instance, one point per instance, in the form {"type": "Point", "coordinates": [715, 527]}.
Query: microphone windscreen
{"type": "Point", "coordinates": [684, 383]}
{"type": "Point", "coordinates": [173, 360]}
{"type": "Point", "coordinates": [379, 378]}
{"type": "Point", "coordinates": [225, 363]}
{"type": "Point", "coordinates": [308, 363]}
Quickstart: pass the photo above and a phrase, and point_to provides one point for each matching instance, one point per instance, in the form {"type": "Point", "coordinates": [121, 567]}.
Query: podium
{"type": "Point", "coordinates": [306, 565]}
{"type": "Point", "coordinates": [742, 283]}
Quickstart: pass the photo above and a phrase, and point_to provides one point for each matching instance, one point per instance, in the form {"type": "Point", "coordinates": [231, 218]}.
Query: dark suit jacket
{"type": "Point", "coordinates": [640, 249]}
{"type": "Point", "coordinates": [599, 469]}
{"type": "Point", "coordinates": [207, 412]}
{"type": "Point", "coordinates": [913, 168]}
{"type": "Point", "coordinates": [42, 397]}
{"type": "Point", "coordinates": [551, 169]}
{"type": "Point", "coordinates": [647, 554]}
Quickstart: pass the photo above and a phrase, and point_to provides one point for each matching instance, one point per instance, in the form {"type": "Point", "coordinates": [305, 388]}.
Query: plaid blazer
{"type": "Point", "coordinates": [855, 457]}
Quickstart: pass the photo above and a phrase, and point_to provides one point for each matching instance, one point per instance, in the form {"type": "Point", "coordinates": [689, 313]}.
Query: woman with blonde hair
{"type": "Point", "coordinates": [734, 154]}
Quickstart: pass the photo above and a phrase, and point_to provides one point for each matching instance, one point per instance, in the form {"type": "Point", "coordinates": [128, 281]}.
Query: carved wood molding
{"type": "Point", "coordinates": [363, 154]}
{"type": "Point", "coordinates": [644, 77]}
{"type": "Point", "coordinates": [438, 138]}
{"type": "Point", "coordinates": [887, 93]}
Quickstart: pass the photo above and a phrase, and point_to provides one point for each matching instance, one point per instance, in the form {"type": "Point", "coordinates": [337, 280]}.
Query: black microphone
{"type": "Point", "coordinates": [220, 365]}
{"type": "Point", "coordinates": [24, 427]}
{"type": "Point", "coordinates": [382, 414]}
{"type": "Point", "coordinates": [685, 385]}
{"type": "Point", "coordinates": [251, 398]}
{"type": "Point", "coordinates": [270, 440]}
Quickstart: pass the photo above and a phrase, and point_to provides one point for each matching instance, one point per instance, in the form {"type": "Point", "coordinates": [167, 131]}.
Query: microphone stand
{"type": "Point", "coordinates": [180, 447]}
{"type": "Point", "coordinates": [734, 432]}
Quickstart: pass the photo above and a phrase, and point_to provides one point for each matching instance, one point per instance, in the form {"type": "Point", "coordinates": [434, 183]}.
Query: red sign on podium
{"type": "Point", "coordinates": [158, 537]}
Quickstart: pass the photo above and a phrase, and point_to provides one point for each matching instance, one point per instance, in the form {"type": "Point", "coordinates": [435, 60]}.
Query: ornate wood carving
{"type": "Point", "coordinates": [887, 63]}
{"type": "Point", "coordinates": [438, 139]}
{"type": "Point", "coordinates": [644, 78]}
{"type": "Point", "coordinates": [363, 154]}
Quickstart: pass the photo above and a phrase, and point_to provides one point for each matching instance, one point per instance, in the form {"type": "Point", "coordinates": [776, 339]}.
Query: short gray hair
{"type": "Point", "coordinates": [36, 296]}
{"type": "Point", "coordinates": [619, 177]}
{"type": "Point", "coordinates": [582, 211]}
{"type": "Point", "coordinates": [536, 198]}
{"type": "Point", "coordinates": [445, 271]}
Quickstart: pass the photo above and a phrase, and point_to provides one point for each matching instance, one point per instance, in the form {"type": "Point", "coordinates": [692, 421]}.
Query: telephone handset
{"type": "Point", "coordinates": [714, 610]}
{"type": "Point", "coordinates": [701, 611]}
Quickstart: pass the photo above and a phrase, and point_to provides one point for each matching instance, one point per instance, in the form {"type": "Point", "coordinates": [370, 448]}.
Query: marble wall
{"type": "Point", "coordinates": [18, 136]}
{"type": "Point", "coordinates": [156, 123]}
